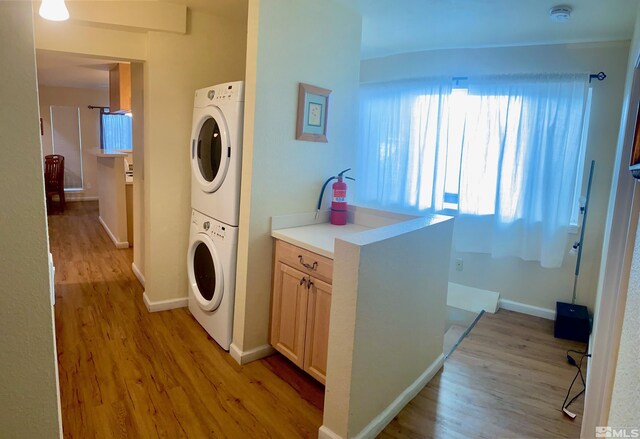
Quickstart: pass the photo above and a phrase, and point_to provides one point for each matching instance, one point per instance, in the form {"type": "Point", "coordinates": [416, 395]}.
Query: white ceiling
{"type": "Point", "coordinates": [398, 26]}
{"type": "Point", "coordinates": [65, 70]}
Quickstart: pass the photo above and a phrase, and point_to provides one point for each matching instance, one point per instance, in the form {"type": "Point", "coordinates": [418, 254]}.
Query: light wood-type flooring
{"type": "Point", "coordinates": [125, 372]}
{"type": "Point", "coordinates": [506, 379]}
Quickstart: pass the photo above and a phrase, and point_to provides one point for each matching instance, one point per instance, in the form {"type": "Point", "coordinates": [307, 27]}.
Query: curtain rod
{"type": "Point", "coordinates": [96, 107]}
{"type": "Point", "coordinates": [599, 76]}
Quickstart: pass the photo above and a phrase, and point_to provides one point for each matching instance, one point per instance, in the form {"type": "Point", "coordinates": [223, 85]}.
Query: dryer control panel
{"type": "Point", "coordinates": [227, 92]}
{"type": "Point", "coordinates": [211, 227]}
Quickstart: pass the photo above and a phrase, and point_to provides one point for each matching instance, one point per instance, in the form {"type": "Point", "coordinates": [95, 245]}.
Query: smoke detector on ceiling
{"type": "Point", "coordinates": [560, 14]}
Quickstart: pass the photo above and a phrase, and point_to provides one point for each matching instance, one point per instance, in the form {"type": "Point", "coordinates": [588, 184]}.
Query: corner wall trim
{"type": "Point", "coordinates": [378, 423]}
{"type": "Point", "coordinates": [118, 244]}
{"type": "Point", "coordinates": [244, 357]}
{"type": "Point", "coordinates": [138, 273]}
{"type": "Point", "coordinates": [164, 305]}
{"type": "Point", "coordinates": [531, 310]}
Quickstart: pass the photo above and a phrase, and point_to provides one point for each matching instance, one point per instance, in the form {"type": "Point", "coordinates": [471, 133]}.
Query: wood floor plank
{"type": "Point", "coordinates": [506, 379]}
{"type": "Point", "coordinates": [125, 372]}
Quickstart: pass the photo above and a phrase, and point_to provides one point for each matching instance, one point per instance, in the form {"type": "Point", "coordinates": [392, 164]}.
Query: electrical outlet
{"type": "Point", "coordinates": [459, 264]}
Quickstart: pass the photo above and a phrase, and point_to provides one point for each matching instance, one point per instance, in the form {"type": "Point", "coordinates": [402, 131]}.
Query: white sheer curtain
{"type": "Point", "coordinates": [403, 139]}
{"type": "Point", "coordinates": [116, 131]}
{"type": "Point", "coordinates": [505, 153]}
{"type": "Point", "coordinates": [519, 165]}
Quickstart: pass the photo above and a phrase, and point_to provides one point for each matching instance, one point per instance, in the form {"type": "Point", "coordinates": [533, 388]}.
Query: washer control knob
{"type": "Point", "coordinates": [211, 94]}
{"type": "Point", "coordinates": [206, 225]}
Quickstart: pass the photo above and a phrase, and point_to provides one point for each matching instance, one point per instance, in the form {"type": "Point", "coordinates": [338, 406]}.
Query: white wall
{"type": "Point", "coordinates": [89, 127]}
{"type": "Point", "coordinates": [29, 405]}
{"type": "Point", "coordinates": [290, 41]}
{"type": "Point", "coordinates": [514, 279]}
{"type": "Point", "coordinates": [212, 52]}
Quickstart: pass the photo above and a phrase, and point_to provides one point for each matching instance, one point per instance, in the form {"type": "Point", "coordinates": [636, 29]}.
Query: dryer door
{"type": "Point", "coordinates": [205, 272]}
{"type": "Point", "coordinates": [210, 148]}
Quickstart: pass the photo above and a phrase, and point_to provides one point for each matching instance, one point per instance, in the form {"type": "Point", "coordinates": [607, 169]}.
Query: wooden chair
{"type": "Point", "coordinates": [54, 179]}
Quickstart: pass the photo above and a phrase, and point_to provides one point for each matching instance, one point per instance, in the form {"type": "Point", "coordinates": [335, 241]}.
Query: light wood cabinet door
{"type": "Point", "coordinates": [317, 337]}
{"type": "Point", "coordinates": [289, 312]}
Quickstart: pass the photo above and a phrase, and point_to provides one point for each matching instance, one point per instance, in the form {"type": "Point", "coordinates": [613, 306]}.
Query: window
{"type": "Point", "coordinates": [116, 131]}
{"type": "Point", "coordinates": [509, 149]}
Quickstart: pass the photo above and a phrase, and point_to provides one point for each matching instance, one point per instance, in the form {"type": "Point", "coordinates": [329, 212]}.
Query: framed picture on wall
{"type": "Point", "coordinates": [313, 113]}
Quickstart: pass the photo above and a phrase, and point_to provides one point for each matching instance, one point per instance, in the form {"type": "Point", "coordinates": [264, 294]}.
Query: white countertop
{"type": "Point", "coordinates": [318, 238]}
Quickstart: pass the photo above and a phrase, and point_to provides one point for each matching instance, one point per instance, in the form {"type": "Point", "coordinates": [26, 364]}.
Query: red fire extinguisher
{"type": "Point", "coordinates": [339, 201]}
{"type": "Point", "coordinates": [338, 198]}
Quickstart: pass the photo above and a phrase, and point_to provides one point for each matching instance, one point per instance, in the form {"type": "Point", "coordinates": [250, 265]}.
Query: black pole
{"type": "Point", "coordinates": [582, 227]}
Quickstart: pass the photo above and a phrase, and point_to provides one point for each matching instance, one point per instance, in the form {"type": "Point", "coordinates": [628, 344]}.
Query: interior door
{"type": "Point", "coordinates": [210, 149]}
{"type": "Point", "coordinates": [205, 273]}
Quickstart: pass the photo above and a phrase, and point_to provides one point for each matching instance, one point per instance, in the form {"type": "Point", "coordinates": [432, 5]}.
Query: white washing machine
{"type": "Point", "coordinates": [216, 151]}
{"type": "Point", "coordinates": [211, 266]}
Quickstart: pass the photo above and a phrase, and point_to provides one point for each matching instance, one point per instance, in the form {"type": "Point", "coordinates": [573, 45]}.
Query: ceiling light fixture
{"type": "Point", "coordinates": [54, 10]}
{"type": "Point", "coordinates": [560, 14]}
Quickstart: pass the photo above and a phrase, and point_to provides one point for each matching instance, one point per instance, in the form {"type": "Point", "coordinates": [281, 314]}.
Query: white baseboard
{"type": "Point", "coordinates": [382, 420]}
{"type": "Point", "coordinates": [79, 198]}
{"type": "Point", "coordinates": [244, 357]}
{"type": "Point", "coordinates": [118, 244]}
{"type": "Point", "coordinates": [138, 273]}
{"type": "Point", "coordinates": [472, 299]}
{"type": "Point", "coordinates": [164, 305]}
{"type": "Point", "coordinates": [531, 310]}
{"type": "Point", "coordinates": [325, 433]}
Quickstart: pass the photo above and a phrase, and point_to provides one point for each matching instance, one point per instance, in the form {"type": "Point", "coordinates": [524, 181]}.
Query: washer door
{"type": "Point", "coordinates": [210, 149]}
{"type": "Point", "coordinates": [205, 272]}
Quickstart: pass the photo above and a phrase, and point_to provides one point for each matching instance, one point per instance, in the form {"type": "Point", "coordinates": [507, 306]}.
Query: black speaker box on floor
{"type": "Point", "coordinates": [572, 322]}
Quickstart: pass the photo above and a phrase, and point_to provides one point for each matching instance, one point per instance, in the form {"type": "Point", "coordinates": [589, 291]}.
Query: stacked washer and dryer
{"type": "Point", "coordinates": [216, 158]}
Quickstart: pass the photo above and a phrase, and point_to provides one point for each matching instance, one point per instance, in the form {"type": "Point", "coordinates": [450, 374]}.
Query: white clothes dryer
{"type": "Point", "coordinates": [211, 267]}
{"type": "Point", "coordinates": [216, 151]}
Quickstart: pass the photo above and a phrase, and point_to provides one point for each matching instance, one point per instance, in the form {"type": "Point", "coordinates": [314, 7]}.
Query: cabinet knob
{"type": "Point", "coordinates": [303, 280]}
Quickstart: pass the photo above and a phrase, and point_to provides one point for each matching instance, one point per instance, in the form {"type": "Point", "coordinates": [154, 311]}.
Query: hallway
{"type": "Point", "coordinates": [125, 372]}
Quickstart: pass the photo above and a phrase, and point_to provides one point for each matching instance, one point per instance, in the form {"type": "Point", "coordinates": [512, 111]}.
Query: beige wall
{"type": "Point", "coordinates": [624, 370]}
{"type": "Point", "coordinates": [89, 127]}
{"type": "Point", "coordinates": [212, 52]}
{"type": "Point", "coordinates": [514, 279]}
{"type": "Point", "coordinates": [387, 326]}
{"type": "Point", "coordinates": [625, 400]}
{"type": "Point", "coordinates": [29, 405]}
{"type": "Point", "coordinates": [290, 41]}
{"type": "Point", "coordinates": [137, 111]}
{"type": "Point", "coordinates": [617, 250]}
